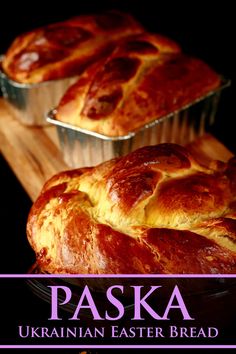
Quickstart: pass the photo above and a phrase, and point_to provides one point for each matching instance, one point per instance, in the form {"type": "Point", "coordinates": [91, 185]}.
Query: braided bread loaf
{"type": "Point", "coordinates": [155, 210]}
{"type": "Point", "coordinates": [144, 78]}
{"type": "Point", "coordinates": [64, 49]}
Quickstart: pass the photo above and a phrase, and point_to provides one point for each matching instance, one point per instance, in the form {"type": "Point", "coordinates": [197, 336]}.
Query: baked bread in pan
{"type": "Point", "coordinates": [155, 210]}
{"type": "Point", "coordinates": [64, 49]}
{"type": "Point", "coordinates": [144, 78]}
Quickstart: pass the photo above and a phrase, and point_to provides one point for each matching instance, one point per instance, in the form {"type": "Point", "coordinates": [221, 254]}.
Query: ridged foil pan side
{"type": "Point", "coordinates": [29, 103]}
{"type": "Point", "coordinates": [85, 148]}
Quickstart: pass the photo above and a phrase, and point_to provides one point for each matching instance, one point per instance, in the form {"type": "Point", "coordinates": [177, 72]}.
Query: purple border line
{"type": "Point", "coordinates": [117, 275]}
{"type": "Point", "coordinates": [153, 346]}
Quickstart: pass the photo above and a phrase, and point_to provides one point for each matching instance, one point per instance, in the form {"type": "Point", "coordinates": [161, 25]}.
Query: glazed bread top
{"type": "Point", "coordinates": [64, 49]}
{"type": "Point", "coordinates": [155, 210]}
{"type": "Point", "coordinates": [144, 78]}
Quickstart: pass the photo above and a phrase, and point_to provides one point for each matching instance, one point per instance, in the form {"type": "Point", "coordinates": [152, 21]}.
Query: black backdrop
{"type": "Point", "coordinates": [203, 28]}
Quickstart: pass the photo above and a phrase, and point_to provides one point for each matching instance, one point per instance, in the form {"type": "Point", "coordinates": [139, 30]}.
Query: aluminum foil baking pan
{"type": "Point", "coordinates": [81, 147]}
{"type": "Point", "coordinates": [29, 103]}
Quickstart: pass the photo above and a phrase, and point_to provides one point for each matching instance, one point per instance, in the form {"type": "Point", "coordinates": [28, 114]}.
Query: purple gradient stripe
{"type": "Point", "coordinates": [118, 346]}
{"type": "Point", "coordinates": [117, 275]}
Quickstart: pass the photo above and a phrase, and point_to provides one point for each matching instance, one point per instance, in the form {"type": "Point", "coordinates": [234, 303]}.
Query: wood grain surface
{"type": "Point", "coordinates": [34, 154]}
{"type": "Point", "coordinates": [31, 153]}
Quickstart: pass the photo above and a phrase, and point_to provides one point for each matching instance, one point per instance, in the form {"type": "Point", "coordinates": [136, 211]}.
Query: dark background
{"type": "Point", "coordinates": [203, 28]}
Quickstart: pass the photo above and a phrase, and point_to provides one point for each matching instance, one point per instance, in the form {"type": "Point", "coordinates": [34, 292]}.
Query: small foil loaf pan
{"type": "Point", "coordinates": [29, 103]}
{"type": "Point", "coordinates": [81, 147]}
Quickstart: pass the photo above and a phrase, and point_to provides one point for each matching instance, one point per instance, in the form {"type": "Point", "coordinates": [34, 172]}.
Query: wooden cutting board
{"type": "Point", "coordinates": [34, 153]}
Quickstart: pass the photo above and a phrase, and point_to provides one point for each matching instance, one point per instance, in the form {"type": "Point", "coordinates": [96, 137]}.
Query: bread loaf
{"type": "Point", "coordinates": [64, 49]}
{"type": "Point", "coordinates": [144, 78]}
{"type": "Point", "coordinates": [155, 210]}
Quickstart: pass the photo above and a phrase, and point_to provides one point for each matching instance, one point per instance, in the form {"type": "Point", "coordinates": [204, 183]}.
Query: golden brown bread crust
{"type": "Point", "coordinates": [144, 78]}
{"type": "Point", "coordinates": [155, 210]}
{"type": "Point", "coordinates": [64, 49]}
